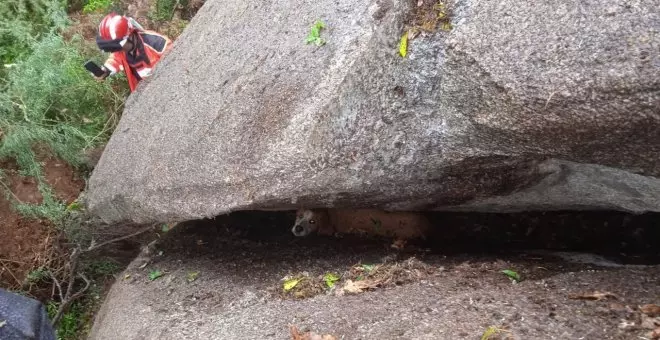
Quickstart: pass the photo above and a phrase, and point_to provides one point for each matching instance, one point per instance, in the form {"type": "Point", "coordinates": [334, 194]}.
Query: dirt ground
{"type": "Point", "coordinates": [224, 279]}
{"type": "Point", "coordinates": [28, 244]}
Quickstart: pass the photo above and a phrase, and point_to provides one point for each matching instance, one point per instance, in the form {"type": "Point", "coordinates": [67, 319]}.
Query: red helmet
{"type": "Point", "coordinates": [114, 26]}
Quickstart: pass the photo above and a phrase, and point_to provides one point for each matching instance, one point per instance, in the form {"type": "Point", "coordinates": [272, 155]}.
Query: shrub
{"type": "Point", "coordinates": [97, 6]}
{"type": "Point", "coordinates": [23, 22]}
{"type": "Point", "coordinates": [51, 101]}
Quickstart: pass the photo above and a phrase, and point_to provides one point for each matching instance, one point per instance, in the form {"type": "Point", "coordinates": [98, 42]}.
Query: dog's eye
{"type": "Point", "coordinates": [312, 221]}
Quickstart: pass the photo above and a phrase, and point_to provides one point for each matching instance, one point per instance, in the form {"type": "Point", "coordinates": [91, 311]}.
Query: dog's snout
{"type": "Point", "coordinates": [298, 229]}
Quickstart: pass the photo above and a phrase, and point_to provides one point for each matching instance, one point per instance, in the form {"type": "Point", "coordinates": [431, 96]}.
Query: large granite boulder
{"type": "Point", "coordinates": [520, 105]}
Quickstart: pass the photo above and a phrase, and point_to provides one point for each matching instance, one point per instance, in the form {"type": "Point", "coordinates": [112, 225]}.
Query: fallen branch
{"type": "Point", "coordinates": [93, 247]}
{"type": "Point", "coordinates": [68, 297]}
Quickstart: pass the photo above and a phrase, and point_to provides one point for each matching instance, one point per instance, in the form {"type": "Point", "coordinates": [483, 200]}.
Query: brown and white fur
{"type": "Point", "coordinates": [400, 225]}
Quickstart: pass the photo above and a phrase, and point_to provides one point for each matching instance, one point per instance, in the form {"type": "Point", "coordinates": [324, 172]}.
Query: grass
{"type": "Point", "coordinates": [164, 9]}
{"type": "Point", "coordinates": [23, 23]}
{"type": "Point", "coordinates": [49, 101]}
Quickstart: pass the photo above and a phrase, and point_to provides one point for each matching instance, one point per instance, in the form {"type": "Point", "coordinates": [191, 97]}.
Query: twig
{"type": "Point", "coordinates": [66, 298]}
{"type": "Point", "coordinates": [548, 101]}
{"type": "Point", "coordinates": [12, 261]}
{"type": "Point", "coordinates": [93, 246]}
{"type": "Point", "coordinates": [12, 274]}
{"type": "Point", "coordinates": [65, 304]}
{"type": "Point", "coordinates": [59, 287]}
{"type": "Point", "coordinates": [11, 192]}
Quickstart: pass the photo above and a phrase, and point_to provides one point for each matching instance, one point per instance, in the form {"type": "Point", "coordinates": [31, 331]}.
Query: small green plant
{"type": "Point", "coordinates": [314, 36]}
{"type": "Point", "coordinates": [512, 275]}
{"type": "Point", "coordinates": [37, 275]}
{"type": "Point", "coordinates": [192, 276]}
{"type": "Point", "coordinates": [330, 279]}
{"type": "Point", "coordinates": [97, 6]}
{"type": "Point", "coordinates": [102, 268]}
{"type": "Point", "coordinates": [493, 331]}
{"type": "Point", "coordinates": [69, 327]}
{"type": "Point", "coordinates": [155, 274]}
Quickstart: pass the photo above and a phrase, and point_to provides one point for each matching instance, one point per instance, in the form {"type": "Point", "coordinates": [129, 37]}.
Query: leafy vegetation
{"type": "Point", "coordinates": [23, 23]}
{"type": "Point", "coordinates": [50, 101]}
{"type": "Point", "coordinates": [330, 279]}
{"type": "Point", "coordinates": [314, 36]}
{"type": "Point", "coordinates": [164, 10]}
{"type": "Point", "coordinates": [71, 322]}
{"type": "Point", "coordinates": [97, 6]}
{"type": "Point", "coordinates": [512, 275]}
{"type": "Point", "coordinates": [155, 274]}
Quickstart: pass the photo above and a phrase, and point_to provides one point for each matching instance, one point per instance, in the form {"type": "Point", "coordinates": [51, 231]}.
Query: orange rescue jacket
{"type": "Point", "coordinates": [140, 62]}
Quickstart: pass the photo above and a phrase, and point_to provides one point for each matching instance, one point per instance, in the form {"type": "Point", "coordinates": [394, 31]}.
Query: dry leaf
{"type": "Point", "coordinates": [650, 310]}
{"type": "Point", "coordinates": [649, 322]}
{"type": "Point", "coordinates": [593, 296]}
{"type": "Point", "coordinates": [655, 335]}
{"type": "Point", "coordinates": [354, 287]}
{"type": "Point", "coordinates": [295, 335]}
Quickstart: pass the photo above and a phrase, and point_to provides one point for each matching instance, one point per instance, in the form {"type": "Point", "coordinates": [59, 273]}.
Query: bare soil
{"type": "Point", "coordinates": [28, 244]}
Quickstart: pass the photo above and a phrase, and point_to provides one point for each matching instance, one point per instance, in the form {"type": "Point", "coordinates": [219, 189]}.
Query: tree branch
{"type": "Point", "coordinates": [93, 246]}
{"type": "Point", "coordinates": [68, 297]}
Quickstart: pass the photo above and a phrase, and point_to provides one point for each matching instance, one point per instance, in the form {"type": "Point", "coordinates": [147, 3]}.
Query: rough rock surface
{"type": "Point", "coordinates": [234, 295]}
{"type": "Point", "coordinates": [244, 115]}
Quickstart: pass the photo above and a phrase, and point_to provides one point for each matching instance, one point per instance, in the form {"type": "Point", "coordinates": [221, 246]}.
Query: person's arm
{"type": "Point", "coordinates": [112, 65]}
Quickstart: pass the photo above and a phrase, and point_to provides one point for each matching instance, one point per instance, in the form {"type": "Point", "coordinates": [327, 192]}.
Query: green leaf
{"type": "Point", "coordinates": [490, 331]}
{"type": "Point", "coordinates": [192, 276]}
{"type": "Point", "coordinates": [314, 35]}
{"type": "Point", "coordinates": [155, 274]}
{"type": "Point", "coordinates": [74, 206]}
{"type": "Point", "coordinates": [330, 279]}
{"type": "Point", "coordinates": [368, 267]}
{"type": "Point", "coordinates": [403, 45]}
{"type": "Point", "coordinates": [513, 275]}
{"type": "Point", "coordinates": [290, 284]}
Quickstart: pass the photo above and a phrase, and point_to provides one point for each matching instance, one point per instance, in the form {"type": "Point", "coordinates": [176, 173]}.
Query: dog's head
{"type": "Point", "coordinates": [307, 222]}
